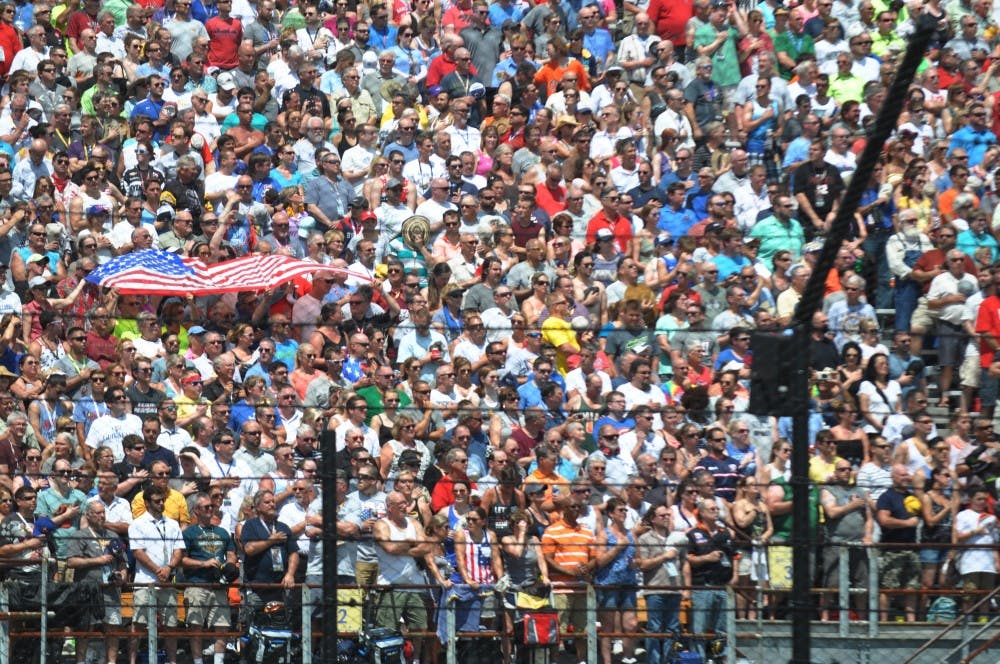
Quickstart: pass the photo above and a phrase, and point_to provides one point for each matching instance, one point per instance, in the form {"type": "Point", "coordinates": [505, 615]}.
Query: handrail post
{"type": "Point", "coordinates": [873, 574]}
{"type": "Point", "coordinates": [307, 630]}
{"type": "Point", "coordinates": [43, 590]}
{"type": "Point", "coordinates": [592, 648]}
{"type": "Point", "coordinates": [4, 625]}
{"type": "Point", "coordinates": [730, 624]}
{"type": "Point", "coordinates": [151, 630]}
{"type": "Point", "coordinates": [449, 617]}
{"type": "Point", "coordinates": [843, 595]}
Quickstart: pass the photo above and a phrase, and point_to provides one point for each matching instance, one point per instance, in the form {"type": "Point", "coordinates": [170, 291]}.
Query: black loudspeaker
{"type": "Point", "coordinates": [772, 375]}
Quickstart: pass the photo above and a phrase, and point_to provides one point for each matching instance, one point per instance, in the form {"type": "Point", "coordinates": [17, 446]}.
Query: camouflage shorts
{"type": "Point", "coordinates": [900, 570]}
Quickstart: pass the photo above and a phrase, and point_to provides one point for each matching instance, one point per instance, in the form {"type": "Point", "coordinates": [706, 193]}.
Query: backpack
{"type": "Point", "coordinates": [942, 610]}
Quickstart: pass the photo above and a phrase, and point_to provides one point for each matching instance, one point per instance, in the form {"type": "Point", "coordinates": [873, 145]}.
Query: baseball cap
{"type": "Point", "coordinates": [226, 81]}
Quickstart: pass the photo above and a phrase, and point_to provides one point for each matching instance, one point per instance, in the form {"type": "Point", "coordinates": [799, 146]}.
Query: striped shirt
{"type": "Point", "coordinates": [568, 546]}
{"type": "Point", "coordinates": [478, 556]}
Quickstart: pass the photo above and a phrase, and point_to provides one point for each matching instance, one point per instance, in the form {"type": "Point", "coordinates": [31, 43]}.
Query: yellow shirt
{"type": "Point", "coordinates": [175, 508]}
{"type": "Point", "coordinates": [820, 471]}
{"type": "Point", "coordinates": [557, 332]}
{"type": "Point", "coordinates": [186, 407]}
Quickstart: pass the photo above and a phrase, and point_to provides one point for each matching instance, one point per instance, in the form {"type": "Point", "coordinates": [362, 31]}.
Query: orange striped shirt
{"type": "Point", "coordinates": [568, 546]}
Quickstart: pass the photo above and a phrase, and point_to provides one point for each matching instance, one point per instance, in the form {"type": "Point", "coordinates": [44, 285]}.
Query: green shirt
{"type": "Point", "coordinates": [793, 46]}
{"type": "Point", "coordinates": [725, 63]}
{"type": "Point", "coordinates": [374, 400]}
{"type": "Point", "coordinates": [845, 87]}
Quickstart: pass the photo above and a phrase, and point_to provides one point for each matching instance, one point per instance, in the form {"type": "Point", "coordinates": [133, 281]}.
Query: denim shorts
{"type": "Point", "coordinates": [616, 598]}
{"type": "Point", "coordinates": [933, 556]}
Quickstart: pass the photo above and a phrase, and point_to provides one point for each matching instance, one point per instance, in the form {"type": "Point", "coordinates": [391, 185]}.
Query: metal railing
{"type": "Point", "coordinates": [972, 633]}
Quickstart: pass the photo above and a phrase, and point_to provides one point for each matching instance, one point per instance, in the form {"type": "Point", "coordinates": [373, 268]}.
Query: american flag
{"type": "Point", "coordinates": [259, 273]}
{"type": "Point", "coordinates": [155, 272]}
{"type": "Point", "coordinates": [152, 272]}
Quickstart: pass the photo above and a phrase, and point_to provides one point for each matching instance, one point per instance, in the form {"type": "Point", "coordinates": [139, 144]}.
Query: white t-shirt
{"type": "Point", "coordinates": [109, 431]}
{"type": "Point", "coordinates": [159, 539]}
{"type": "Point", "coordinates": [977, 560]}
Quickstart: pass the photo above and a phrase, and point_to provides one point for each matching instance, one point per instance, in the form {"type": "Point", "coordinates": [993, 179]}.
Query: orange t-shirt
{"type": "Point", "coordinates": [550, 75]}
{"type": "Point", "coordinates": [568, 546]}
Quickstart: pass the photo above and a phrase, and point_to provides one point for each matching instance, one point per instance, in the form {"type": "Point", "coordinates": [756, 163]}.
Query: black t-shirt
{"type": "Point", "coordinates": [894, 501]}
{"type": "Point", "coordinates": [822, 185]}
{"type": "Point", "coordinates": [144, 403]}
{"type": "Point", "coordinates": [823, 355]}
{"type": "Point", "coordinates": [704, 542]}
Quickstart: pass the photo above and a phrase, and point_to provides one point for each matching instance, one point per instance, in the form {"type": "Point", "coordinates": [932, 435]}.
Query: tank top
{"type": "Point", "coordinates": [477, 560]}
{"type": "Point", "coordinates": [49, 358]}
{"type": "Point", "coordinates": [537, 527]}
{"type": "Point", "coordinates": [681, 522]}
{"type": "Point", "coordinates": [523, 570]}
{"type": "Point", "coordinates": [619, 570]}
{"type": "Point", "coordinates": [498, 519]}
{"type": "Point", "coordinates": [401, 570]}
{"type": "Point", "coordinates": [605, 269]}
{"type": "Point", "coordinates": [398, 448]}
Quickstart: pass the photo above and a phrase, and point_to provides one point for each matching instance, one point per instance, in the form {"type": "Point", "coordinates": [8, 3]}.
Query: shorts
{"type": "Point", "coordinates": [206, 606]}
{"type": "Point", "coordinates": [924, 317]}
{"type": "Point", "coordinates": [396, 604]}
{"type": "Point", "coordinates": [900, 570]}
{"type": "Point", "coordinates": [968, 374]}
{"type": "Point", "coordinates": [952, 342]}
{"type": "Point", "coordinates": [572, 608]}
{"type": "Point", "coordinates": [112, 610]}
{"type": "Point", "coordinates": [367, 573]}
{"type": "Point", "coordinates": [165, 600]}
{"type": "Point", "coordinates": [745, 564]}
{"type": "Point", "coordinates": [857, 566]}
{"type": "Point", "coordinates": [929, 556]}
{"type": "Point", "coordinates": [616, 598]}
{"type": "Point", "coordinates": [987, 388]}
{"type": "Point", "coordinates": [979, 581]}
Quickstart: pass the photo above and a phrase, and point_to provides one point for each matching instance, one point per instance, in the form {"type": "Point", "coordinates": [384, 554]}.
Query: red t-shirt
{"type": "Point", "coordinates": [460, 18]}
{"type": "Point", "coordinates": [552, 201]}
{"type": "Point", "coordinates": [988, 324]}
{"type": "Point", "coordinates": [439, 67]}
{"type": "Point", "coordinates": [225, 36]}
{"type": "Point", "coordinates": [101, 349]}
{"type": "Point", "coordinates": [621, 227]}
{"type": "Point", "coordinates": [670, 19]}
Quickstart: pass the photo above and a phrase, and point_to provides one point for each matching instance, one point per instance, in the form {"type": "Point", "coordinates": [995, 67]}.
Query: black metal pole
{"type": "Point", "coordinates": [811, 302]}
{"type": "Point", "coordinates": [328, 482]}
{"type": "Point", "coordinates": [800, 602]}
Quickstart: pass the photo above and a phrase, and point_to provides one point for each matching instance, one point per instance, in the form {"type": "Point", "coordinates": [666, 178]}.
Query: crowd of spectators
{"type": "Point", "coordinates": [544, 378]}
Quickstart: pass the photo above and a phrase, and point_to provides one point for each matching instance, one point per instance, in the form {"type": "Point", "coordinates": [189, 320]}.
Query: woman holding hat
{"type": "Point", "coordinates": [565, 126]}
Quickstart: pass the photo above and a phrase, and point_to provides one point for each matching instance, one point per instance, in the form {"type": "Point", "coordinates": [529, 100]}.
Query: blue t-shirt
{"type": "Point", "coordinates": [206, 544]}
{"type": "Point", "coordinates": [894, 501]}
{"type": "Point", "coordinates": [261, 567]}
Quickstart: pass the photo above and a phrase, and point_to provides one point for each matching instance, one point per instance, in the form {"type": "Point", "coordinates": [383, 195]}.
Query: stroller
{"type": "Point", "coordinates": [272, 636]}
